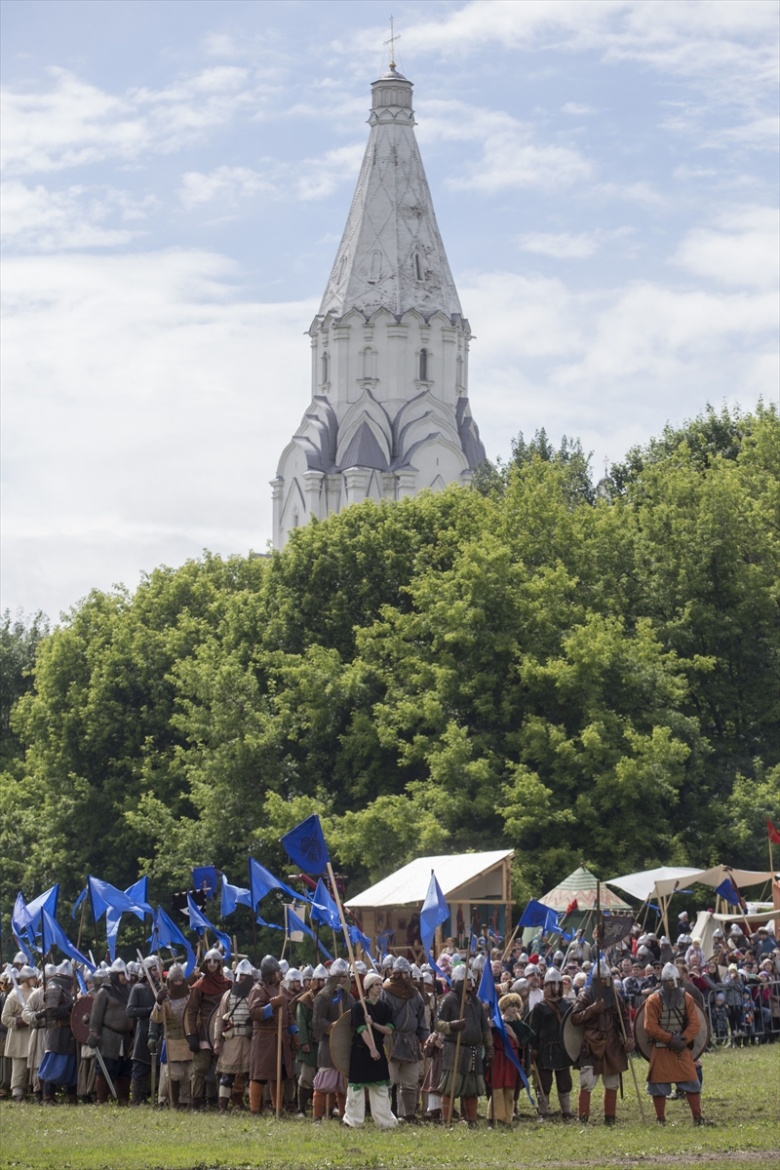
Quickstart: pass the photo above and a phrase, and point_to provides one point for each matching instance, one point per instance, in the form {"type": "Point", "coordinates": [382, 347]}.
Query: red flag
{"type": "Point", "coordinates": [572, 907]}
{"type": "Point", "coordinates": [774, 834]}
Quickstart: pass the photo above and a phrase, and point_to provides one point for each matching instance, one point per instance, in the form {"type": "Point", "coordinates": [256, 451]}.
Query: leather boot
{"type": "Point", "coordinates": [256, 1091]}
{"type": "Point", "coordinates": [237, 1099]}
{"type": "Point", "coordinates": [564, 1100]}
{"type": "Point", "coordinates": [101, 1091]}
{"type": "Point", "coordinates": [610, 1106]}
{"type": "Point", "coordinates": [304, 1098]}
{"type": "Point", "coordinates": [123, 1090]}
{"type": "Point", "coordinates": [583, 1106]}
{"type": "Point", "coordinates": [223, 1104]}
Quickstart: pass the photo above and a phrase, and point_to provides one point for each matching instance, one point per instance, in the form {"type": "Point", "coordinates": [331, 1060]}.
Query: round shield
{"type": "Point", "coordinates": [80, 1016]}
{"type": "Point", "coordinates": [212, 1026]}
{"type": "Point", "coordinates": [341, 1042]}
{"type": "Point", "coordinates": [645, 1044]}
{"type": "Point", "coordinates": [572, 1035]}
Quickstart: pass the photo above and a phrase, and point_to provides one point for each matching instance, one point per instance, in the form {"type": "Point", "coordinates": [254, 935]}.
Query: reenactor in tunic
{"type": "Point", "coordinates": [672, 1023]}
{"type": "Point", "coordinates": [233, 1037]}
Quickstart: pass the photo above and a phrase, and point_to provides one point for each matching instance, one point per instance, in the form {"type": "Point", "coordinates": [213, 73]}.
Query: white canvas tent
{"type": "Point", "coordinates": [707, 922]}
{"type": "Point", "coordinates": [666, 880]}
{"type": "Point", "coordinates": [479, 884]}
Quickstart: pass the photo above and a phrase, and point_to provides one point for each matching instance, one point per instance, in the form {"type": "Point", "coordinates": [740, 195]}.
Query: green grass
{"type": "Point", "coordinates": [742, 1098]}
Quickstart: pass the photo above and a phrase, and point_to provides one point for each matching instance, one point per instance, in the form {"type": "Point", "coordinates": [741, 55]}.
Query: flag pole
{"type": "Point", "coordinates": [456, 1065]}
{"type": "Point", "coordinates": [348, 940]}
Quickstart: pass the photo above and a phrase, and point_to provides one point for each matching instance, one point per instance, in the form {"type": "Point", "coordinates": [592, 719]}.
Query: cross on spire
{"type": "Point", "coordinates": [391, 43]}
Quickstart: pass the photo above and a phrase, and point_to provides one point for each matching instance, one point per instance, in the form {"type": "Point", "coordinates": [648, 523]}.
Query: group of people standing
{"type": "Point", "coordinates": [409, 1043]}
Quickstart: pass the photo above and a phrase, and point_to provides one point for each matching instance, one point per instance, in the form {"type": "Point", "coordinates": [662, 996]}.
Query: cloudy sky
{"type": "Point", "coordinates": [176, 179]}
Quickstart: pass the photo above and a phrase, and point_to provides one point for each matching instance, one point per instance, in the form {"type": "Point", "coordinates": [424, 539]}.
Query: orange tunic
{"type": "Point", "coordinates": [666, 1065]}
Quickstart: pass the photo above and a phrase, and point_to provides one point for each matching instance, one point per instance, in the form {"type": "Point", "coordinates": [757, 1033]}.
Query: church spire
{"type": "Point", "coordinates": [389, 413]}
{"type": "Point", "coordinates": [391, 255]}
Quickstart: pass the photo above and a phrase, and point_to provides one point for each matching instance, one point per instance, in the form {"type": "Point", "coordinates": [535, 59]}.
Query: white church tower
{"type": "Point", "coordinates": [389, 414]}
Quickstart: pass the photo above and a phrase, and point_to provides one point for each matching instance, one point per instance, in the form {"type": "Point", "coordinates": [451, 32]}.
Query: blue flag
{"type": "Point", "coordinates": [233, 896]}
{"type": "Point", "coordinates": [323, 908]}
{"type": "Point", "coordinates": [53, 935]}
{"type": "Point", "coordinates": [305, 846]}
{"type": "Point", "coordinates": [262, 882]}
{"type": "Point", "coordinates": [729, 893]}
{"type": "Point", "coordinates": [488, 994]}
{"type": "Point", "coordinates": [204, 877]}
{"type": "Point", "coordinates": [26, 917]}
{"type": "Point", "coordinates": [105, 897]}
{"type": "Point", "coordinates": [78, 902]}
{"type": "Point", "coordinates": [357, 936]}
{"type": "Point", "coordinates": [199, 922]}
{"type": "Point", "coordinates": [166, 933]}
{"type": "Point", "coordinates": [294, 924]}
{"type": "Point", "coordinates": [268, 925]}
{"type": "Point", "coordinates": [537, 914]}
{"type": "Point", "coordinates": [434, 911]}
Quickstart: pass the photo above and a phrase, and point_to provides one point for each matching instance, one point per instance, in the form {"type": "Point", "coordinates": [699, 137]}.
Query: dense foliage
{"type": "Point", "coordinates": [573, 672]}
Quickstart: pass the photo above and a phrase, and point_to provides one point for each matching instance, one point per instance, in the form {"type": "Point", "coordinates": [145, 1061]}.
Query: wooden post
{"type": "Point", "coordinates": [457, 1042]}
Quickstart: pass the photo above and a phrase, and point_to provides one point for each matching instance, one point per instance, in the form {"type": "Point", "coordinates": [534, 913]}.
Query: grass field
{"type": "Point", "coordinates": [741, 1098]}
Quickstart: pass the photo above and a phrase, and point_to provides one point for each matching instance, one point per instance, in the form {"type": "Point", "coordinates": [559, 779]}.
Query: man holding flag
{"type": "Point", "coordinates": [467, 1081]}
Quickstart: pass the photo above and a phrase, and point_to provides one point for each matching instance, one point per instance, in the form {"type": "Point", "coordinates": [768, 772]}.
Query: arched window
{"type": "Point", "coordinates": [376, 267]}
{"type": "Point", "coordinates": [423, 365]}
{"type": "Point", "coordinates": [325, 368]}
{"type": "Point", "coordinates": [418, 267]}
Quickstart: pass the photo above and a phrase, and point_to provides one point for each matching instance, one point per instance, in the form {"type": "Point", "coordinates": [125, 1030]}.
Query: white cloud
{"type": "Point", "coordinates": [228, 185]}
{"type": "Point", "coordinates": [561, 245]}
{"type": "Point", "coordinates": [510, 155]}
{"type": "Point", "coordinates": [307, 179]}
{"type": "Point", "coordinates": [40, 220]}
{"type": "Point", "coordinates": [73, 123]}
{"type": "Point", "coordinates": [577, 109]}
{"type": "Point", "coordinates": [742, 248]}
{"type": "Point", "coordinates": [197, 394]}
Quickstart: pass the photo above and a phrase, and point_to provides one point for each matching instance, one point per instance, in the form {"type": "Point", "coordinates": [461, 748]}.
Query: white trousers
{"type": "Point", "coordinates": [379, 1095]}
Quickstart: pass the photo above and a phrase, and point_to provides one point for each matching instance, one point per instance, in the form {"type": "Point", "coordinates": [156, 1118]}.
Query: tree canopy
{"type": "Point", "coordinates": [535, 664]}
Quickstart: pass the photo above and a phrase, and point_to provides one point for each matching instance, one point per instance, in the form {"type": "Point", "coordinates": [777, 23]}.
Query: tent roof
{"type": "Point", "coordinates": [582, 885]}
{"type": "Point", "coordinates": [410, 883]}
{"type": "Point", "coordinates": [667, 879]}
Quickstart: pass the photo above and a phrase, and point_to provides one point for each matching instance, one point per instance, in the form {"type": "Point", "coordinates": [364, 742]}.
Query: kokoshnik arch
{"type": "Point", "coordinates": [389, 414]}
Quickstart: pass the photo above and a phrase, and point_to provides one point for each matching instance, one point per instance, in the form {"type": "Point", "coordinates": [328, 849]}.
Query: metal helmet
{"type": "Point", "coordinates": [459, 973]}
{"type": "Point", "coordinates": [175, 973]}
{"type": "Point", "coordinates": [269, 966]}
{"type": "Point", "coordinates": [307, 972]}
{"type": "Point", "coordinates": [339, 967]}
{"type": "Point", "coordinates": [360, 967]}
{"type": "Point", "coordinates": [605, 971]}
{"type": "Point", "coordinates": [387, 963]}
{"type": "Point", "coordinates": [26, 973]}
{"type": "Point", "coordinates": [119, 967]}
{"type": "Point", "coordinates": [284, 966]}
{"type": "Point", "coordinates": [65, 969]}
{"type": "Point", "coordinates": [228, 974]}
{"type": "Point", "coordinates": [293, 976]}
{"type": "Point", "coordinates": [133, 969]}
{"type": "Point", "coordinates": [50, 970]}
{"type": "Point", "coordinates": [428, 978]}
{"type": "Point", "coordinates": [244, 968]}
{"type": "Point", "coordinates": [553, 976]}
{"type": "Point", "coordinates": [670, 973]}
{"type": "Point", "coordinates": [320, 972]}
{"type": "Point", "coordinates": [20, 959]}
{"type": "Point", "coordinates": [214, 955]}
{"type": "Point", "coordinates": [401, 964]}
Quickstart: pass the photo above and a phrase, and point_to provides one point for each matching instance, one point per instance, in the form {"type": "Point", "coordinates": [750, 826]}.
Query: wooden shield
{"type": "Point", "coordinates": [80, 1015]}
{"type": "Point", "coordinates": [572, 1035]}
{"type": "Point", "coordinates": [645, 1045]}
{"type": "Point", "coordinates": [341, 1042]}
{"type": "Point", "coordinates": [212, 1026]}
